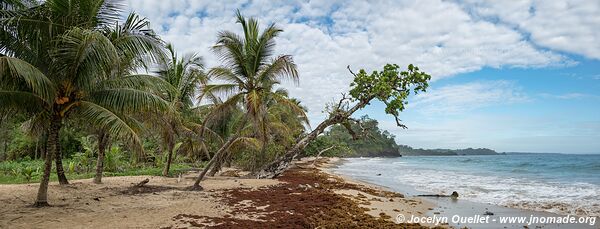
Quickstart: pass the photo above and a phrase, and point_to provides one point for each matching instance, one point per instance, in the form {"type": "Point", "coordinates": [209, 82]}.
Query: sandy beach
{"type": "Point", "coordinates": [304, 197]}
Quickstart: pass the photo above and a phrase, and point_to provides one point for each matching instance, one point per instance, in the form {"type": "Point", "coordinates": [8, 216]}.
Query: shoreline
{"type": "Point", "coordinates": [446, 207]}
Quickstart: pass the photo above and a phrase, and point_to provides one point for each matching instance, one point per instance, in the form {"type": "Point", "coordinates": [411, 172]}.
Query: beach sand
{"type": "Point", "coordinates": [304, 197]}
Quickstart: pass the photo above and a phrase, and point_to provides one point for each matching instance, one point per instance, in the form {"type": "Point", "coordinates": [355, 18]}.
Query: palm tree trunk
{"type": "Point", "coordinates": [217, 167]}
{"type": "Point", "coordinates": [218, 154]}
{"type": "Point", "coordinates": [103, 140]}
{"type": "Point", "coordinates": [60, 171]}
{"type": "Point", "coordinates": [169, 159]}
{"type": "Point", "coordinates": [214, 159]}
{"type": "Point", "coordinates": [53, 145]}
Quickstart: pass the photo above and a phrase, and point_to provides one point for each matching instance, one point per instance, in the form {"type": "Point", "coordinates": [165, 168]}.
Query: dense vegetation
{"type": "Point", "coordinates": [374, 142]}
{"type": "Point", "coordinates": [97, 95]}
{"type": "Point", "coordinates": [337, 141]}
{"type": "Point", "coordinates": [409, 151]}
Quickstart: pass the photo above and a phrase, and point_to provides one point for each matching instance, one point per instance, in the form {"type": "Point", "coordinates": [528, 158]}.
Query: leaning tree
{"type": "Point", "coordinates": [390, 86]}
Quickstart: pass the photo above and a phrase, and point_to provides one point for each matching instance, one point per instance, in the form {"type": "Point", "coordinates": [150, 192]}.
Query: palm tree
{"type": "Point", "coordinates": [249, 75]}
{"type": "Point", "coordinates": [185, 76]}
{"type": "Point", "coordinates": [129, 39]}
{"type": "Point", "coordinates": [59, 65]}
{"type": "Point", "coordinates": [283, 123]}
{"type": "Point", "coordinates": [31, 28]}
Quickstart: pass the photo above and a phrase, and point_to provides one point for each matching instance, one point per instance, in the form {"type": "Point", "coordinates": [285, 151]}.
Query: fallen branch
{"type": "Point", "coordinates": [320, 152]}
{"type": "Point", "coordinates": [142, 183]}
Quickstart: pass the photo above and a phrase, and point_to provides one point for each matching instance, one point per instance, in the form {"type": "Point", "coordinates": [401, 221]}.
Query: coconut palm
{"type": "Point", "coordinates": [248, 75]}
{"type": "Point", "coordinates": [185, 76]}
{"type": "Point", "coordinates": [31, 28]}
{"type": "Point", "coordinates": [59, 65]}
{"type": "Point", "coordinates": [129, 39]}
{"type": "Point", "coordinates": [282, 124]}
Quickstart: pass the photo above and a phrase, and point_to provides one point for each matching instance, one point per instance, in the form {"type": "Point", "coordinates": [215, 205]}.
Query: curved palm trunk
{"type": "Point", "coordinates": [278, 166]}
{"type": "Point", "coordinates": [214, 159]}
{"type": "Point", "coordinates": [53, 145]}
{"type": "Point", "coordinates": [219, 163]}
{"type": "Point", "coordinates": [60, 171]}
{"type": "Point", "coordinates": [169, 159]}
{"type": "Point", "coordinates": [103, 140]}
{"type": "Point", "coordinates": [219, 153]}
{"type": "Point", "coordinates": [216, 168]}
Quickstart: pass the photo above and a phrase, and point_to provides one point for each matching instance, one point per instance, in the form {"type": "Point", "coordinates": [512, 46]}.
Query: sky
{"type": "Point", "coordinates": [513, 76]}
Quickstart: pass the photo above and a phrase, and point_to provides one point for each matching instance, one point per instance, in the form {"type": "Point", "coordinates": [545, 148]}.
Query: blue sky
{"type": "Point", "coordinates": [556, 110]}
{"type": "Point", "coordinates": [519, 75]}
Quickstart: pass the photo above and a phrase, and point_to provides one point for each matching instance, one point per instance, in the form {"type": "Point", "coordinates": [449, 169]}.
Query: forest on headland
{"type": "Point", "coordinates": [88, 92]}
{"type": "Point", "coordinates": [375, 142]}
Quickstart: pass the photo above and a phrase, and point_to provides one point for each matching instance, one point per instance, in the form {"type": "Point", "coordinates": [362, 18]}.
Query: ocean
{"type": "Point", "coordinates": [558, 183]}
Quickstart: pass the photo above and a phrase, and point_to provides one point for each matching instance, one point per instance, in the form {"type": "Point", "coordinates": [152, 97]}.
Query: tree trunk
{"type": "Point", "coordinates": [169, 159]}
{"type": "Point", "coordinates": [60, 170]}
{"type": "Point", "coordinates": [213, 160]}
{"type": "Point", "coordinates": [219, 163]}
{"type": "Point", "coordinates": [52, 147]}
{"type": "Point", "coordinates": [103, 140]}
{"type": "Point", "coordinates": [216, 168]}
{"type": "Point", "coordinates": [217, 155]}
{"type": "Point", "coordinates": [278, 166]}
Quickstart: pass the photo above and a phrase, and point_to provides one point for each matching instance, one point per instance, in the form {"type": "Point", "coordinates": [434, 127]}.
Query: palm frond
{"type": "Point", "coordinates": [15, 72]}
{"type": "Point", "coordinates": [221, 73]}
{"type": "Point", "coordinates": [84, 56]}
{"type": "Point", "coordinates": [281, 67]}
{"type": "Point", "coordinates": [22, 101]}
{"type": "Point", "coordinates": [127, 100]}
{"type": "Point", "coordinates": [108, 120]}
{"type": "Point", "coordinates": [140, 82]}
{"type": "Point", "coordinates": [136, 43]}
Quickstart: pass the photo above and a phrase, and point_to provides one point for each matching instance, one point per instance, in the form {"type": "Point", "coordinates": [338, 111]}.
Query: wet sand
{"type": "Point", "coordinates": [447, 207]}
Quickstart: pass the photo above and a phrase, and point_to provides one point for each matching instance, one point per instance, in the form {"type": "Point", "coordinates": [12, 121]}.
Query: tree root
{"type": "Point", "coordinates": [40, 204]}
{"type": "Point", "coordinates": [194, 188]}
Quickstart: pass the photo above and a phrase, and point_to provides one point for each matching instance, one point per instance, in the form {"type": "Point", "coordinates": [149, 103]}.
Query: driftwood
{"type": "Point", "coordinates": [454, 195]}
{"type": "Point", "coordinates": [142, 183]}
{"type": "Point", "coordinates": [322, 151]}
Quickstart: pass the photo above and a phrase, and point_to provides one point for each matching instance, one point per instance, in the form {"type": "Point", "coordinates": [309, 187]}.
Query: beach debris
{"type": "Point", "coordinates": [454, 195]}
{"type": "Point", "coordinates": [142, 183]}
{"type": "Point", "coordinates": [488, 213]}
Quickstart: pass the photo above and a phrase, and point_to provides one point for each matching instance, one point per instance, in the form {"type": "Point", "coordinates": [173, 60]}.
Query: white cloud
{"type": "Point", "coordinates": [573, 95]}
{"type": "Point", "coordinates": [461, 98]}
{"type": "Point", "coordinates": [569, 26]}
{"type": "Point", "coordinates": [324, 37]}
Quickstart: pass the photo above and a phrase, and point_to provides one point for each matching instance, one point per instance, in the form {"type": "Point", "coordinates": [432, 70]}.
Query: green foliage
{"type": "Point", "coordinates": [409, 151]}
{"type": "Point", "coordinates": [373, 142]}
{"type": "Point", "coordinates": [390, 86]}
{"type": "Point", "coordinates": [20, 145]}
{"type": "Point", "coordinates": [15, 172]}
{"type": "Point", "coordinates": [27, 172]}
{"type": "Point", "coordinates": [114, 160]}
{"type": "Point", "coordinates": [84, 161]}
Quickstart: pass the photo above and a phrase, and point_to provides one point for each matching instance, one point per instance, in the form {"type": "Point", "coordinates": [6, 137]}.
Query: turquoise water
{"type": "Point", "coordinates": [558, 183]}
